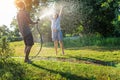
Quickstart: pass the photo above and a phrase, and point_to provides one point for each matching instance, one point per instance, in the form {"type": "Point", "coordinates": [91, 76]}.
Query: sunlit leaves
{"type": "Point", "coordinates": [105, 4]}
{"type": "Point", "coordinates": [109, 1]}
{"type": "Point", "coordinates": [118, 17]}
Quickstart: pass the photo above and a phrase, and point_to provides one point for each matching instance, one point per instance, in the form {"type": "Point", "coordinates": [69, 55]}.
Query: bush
{"type": "Point", "coordinates": [12, 39]}
{"type": "Point", "coordinates": [87, 40]}
{"type": "Point", "coordinates": [12, 70]}
{"type": "Point", "coordinates": [5, 50]}
{"type": "Point", "coordinates": [91, 40]}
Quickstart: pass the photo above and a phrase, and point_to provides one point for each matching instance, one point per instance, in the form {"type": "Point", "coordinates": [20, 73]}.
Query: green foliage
{"type": "Point", "coordinates": [100, 16]}
{"type": "Point", "coordinates": [78, 63]}
{"type": "Point", "coordinates": [12, 35]}
{"type": "Point", "coordinates": [4, 31]}
{"type": "Point", "coordinates": [91, 40]}
{"type": "Point", "coordinates": [5, 50]}
{"type": "Point", "coordinates": [54, 70]}
{"type": "Point", "coordinates": [11, 70]}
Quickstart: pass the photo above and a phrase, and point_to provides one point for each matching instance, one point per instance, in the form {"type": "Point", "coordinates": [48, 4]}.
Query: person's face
{"type": "Point", "coordinates": [55, 16]}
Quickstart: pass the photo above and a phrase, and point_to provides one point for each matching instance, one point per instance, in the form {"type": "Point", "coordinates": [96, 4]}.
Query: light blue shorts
{"type": "Point", "coordinates": [57, 36]}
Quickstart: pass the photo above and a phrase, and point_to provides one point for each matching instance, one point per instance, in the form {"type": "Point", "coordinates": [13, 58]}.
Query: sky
{"type": "Point", "coordinates": [7, 12]}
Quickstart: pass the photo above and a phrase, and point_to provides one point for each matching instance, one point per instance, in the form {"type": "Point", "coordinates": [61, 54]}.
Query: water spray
{"type": "Point", "coordinates": [49, 12]}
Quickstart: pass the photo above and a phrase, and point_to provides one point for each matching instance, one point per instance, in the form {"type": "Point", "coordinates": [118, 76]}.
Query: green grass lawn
{"type": "Point", "coordinates": [80, 63]}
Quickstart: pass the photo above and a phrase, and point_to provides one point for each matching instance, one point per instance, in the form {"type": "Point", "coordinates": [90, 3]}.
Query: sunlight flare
{"type": "Point", "coordinates": [7, 12]}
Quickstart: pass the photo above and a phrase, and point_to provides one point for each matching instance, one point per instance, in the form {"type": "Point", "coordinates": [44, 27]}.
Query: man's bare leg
{"type": "Point", "coordinates": [25, 49]}
{"type": "Point", "coordinates": [27, 52]}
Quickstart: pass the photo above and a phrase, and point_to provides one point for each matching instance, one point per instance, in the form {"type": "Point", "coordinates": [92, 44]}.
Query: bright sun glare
{"type": "Point", "coordinates": [7, 12]}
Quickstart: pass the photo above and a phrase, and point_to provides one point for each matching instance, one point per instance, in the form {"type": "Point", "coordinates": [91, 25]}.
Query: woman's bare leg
{"type": "Point", "coordinates": [56, 46]}
{"type": "Point", "coordinates": [62, 47]}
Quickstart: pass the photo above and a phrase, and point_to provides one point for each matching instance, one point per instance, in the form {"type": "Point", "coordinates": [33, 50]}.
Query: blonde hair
{"type": "Point", "coordinates": [20, 4]}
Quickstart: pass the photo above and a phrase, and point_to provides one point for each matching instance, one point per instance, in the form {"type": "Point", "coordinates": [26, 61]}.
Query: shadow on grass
{"type": "Point", "coordinates": [68, 76]}
{"type": "Point", "coordinates": [95, 61]}
{"type": "Point", "coordinates": [76, 59]}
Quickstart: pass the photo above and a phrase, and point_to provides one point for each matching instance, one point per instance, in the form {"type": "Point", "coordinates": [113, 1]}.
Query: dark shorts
{"type": "Point", "coordinates": [57, 36]}
{"type": "Point", "coordinates": [28, 40]}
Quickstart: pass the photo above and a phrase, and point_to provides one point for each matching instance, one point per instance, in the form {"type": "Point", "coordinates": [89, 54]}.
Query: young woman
{"type": "Point", "coordinates": [24, 20]}
{"type": "Point", "coordinates": [56, 31]}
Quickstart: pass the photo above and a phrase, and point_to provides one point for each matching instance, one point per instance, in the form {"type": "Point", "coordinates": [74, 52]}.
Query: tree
{"type": "Point", "coordinates": [102, 17]}
{"type": "Point", "coordinates": [4, 31]}
{"type": "Point", "coordinates": [83, 16]}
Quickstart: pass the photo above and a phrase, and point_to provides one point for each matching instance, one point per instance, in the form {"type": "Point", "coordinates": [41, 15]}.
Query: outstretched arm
{"type": "Point", "coordinates": [29, 20]}
{"type": "Point", "coordinates": [60, 11]}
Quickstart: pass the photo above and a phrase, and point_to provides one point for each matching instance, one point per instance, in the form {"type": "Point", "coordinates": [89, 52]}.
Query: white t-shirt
{"type": "Point", "coordinates": [55, 23]}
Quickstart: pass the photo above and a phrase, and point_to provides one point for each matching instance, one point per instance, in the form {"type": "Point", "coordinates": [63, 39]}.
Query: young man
{"type": "Point", "coordinates": [56, 31]}
{"type": "Point", "coordinates": [24, 20]}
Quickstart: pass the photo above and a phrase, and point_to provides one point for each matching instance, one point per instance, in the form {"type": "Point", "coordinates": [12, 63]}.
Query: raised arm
{"type": "Point", "coordinates": [60, 11]}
